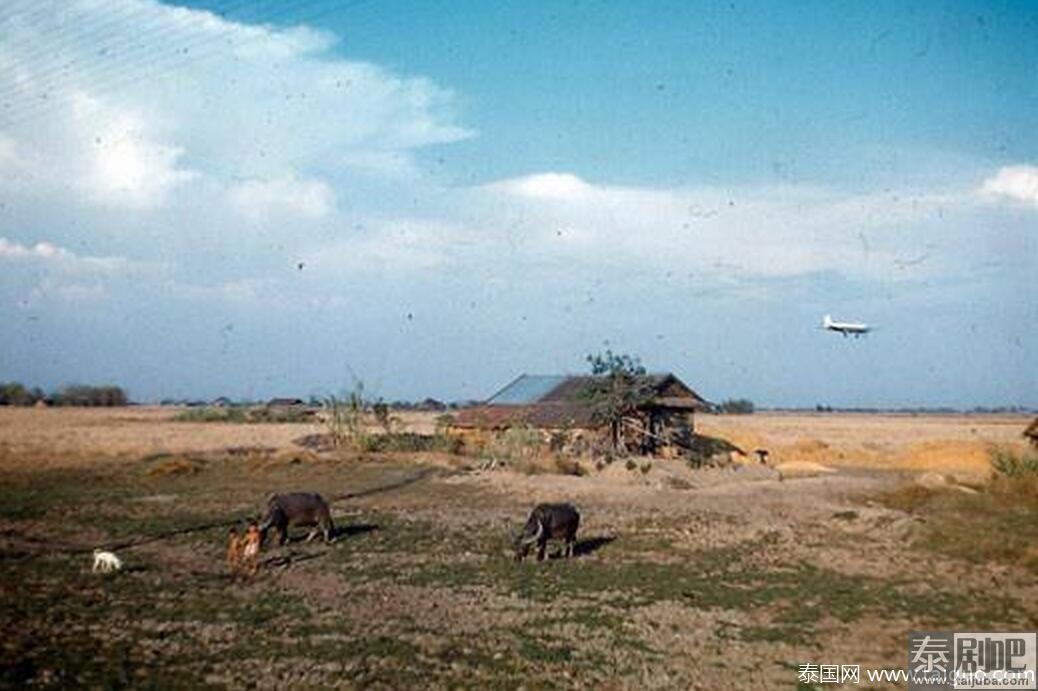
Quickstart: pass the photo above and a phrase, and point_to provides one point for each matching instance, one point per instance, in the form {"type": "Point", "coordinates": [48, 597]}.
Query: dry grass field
{"type": "Point", "coordinates": [945, 443]}
{"type": "Point", "coordinates": [706, 579]}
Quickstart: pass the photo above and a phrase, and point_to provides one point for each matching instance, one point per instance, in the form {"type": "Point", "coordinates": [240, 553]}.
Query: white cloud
{"type": "Point", "coordinates": [751, 231]}
{"type": "Point", "coordinates": [1018, 183]}
{"type": "Point", "coordinates": [257, 199]}
{"type": "Point", "coordinates": [41, 250]}
{"type": "Point", "coordinates": [61, 260]}
{"type": "Point", "coordinates": [108, 155]}
{"type": "Point", "coordinates": [397, 245]}
{"type": "Point", "coordinates": [34, 274]}
{"type": "Point", "coordinates": [261, 122]}
{"type": "Point", "coordinates": [155, 95]}
{"type": "Point", "coordinates": [124, 166]}
{"type": "Point", "coordinates": [393, 164]}
{"type": "Point", "coordinates": [545, 186]}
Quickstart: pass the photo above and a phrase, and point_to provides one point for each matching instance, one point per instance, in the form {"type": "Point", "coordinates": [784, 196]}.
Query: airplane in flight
{"type": "Point", "coordinates": [855, 329]}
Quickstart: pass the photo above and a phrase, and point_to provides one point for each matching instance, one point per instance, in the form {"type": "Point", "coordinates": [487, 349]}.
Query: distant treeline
{"type": "Point", "coordinates": [918, 410]}
{"type": "Point", "coordinates": [426, 405]}
{"type": "Point", "coordinates": [735, 406]}
{"type": "Point", "coordinates": [17, 394]}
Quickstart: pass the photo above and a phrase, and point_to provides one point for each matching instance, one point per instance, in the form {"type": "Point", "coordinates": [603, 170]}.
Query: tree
{"type": "Point", "coordinates": [81, 395]}
{"type": "Point", "coordinates": [13, 393]}
{"type": "Point", "coordinates": [737, 406]}
{"type": "Point", "coordinates": [383, 415]}
{"type": "Point", "coordinates": [620, 387]}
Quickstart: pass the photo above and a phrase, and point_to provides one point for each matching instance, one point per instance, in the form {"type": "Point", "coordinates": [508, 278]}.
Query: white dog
{"type": "Point", "coordinates": [106, 561]}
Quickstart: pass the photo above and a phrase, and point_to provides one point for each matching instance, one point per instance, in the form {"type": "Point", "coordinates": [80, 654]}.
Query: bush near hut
{"type": "Point", "coordinates": [1009, 463]}
{"type": "Point", "coordinates": [520, 448]}
{"type": "Point", "coordinates": [1015, 472]}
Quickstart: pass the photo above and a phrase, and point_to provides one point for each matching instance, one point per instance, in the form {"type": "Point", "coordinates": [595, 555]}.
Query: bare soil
{"type": "Point", "coordinates": [723, 578]}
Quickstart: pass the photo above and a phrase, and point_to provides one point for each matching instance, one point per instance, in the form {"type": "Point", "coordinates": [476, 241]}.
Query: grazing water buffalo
{"type": "Point", "coordinates": [548, 522]}
{"type": "Point", "coordinates": [297, 508]}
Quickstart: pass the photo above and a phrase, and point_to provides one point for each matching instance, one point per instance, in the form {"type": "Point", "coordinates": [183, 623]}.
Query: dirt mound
{"type": "Point", "coordinates": [660, 473]}
{"type": "Point", "coordinates": [630, 472]}
{"type": "Point", "coordinates": [174, 464]}
{"type": "Point", "coordinates": [802, 469]}
{"type": "Point", "coordinates": [932, 480]}
{"type": "Point", "coordinates": [315, 442]}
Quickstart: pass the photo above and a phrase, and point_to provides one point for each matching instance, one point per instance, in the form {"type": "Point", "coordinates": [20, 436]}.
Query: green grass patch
{"type": "Point", "coordinates": [248, 415]}
{"type": "Point", "coordinates": [999, 524]}
{"type": "Point", "coordinates": [1011, 463]}
{"type": "Point", "coordinates": [536, 651]}
{"type": "Point", "coordinates": [410, 442]}
{"type": "Point", "coordinates": [59, 493]}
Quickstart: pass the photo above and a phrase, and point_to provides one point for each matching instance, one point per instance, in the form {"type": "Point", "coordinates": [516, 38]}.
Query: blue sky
{"type": "Point", "coordinates": [246, 199]}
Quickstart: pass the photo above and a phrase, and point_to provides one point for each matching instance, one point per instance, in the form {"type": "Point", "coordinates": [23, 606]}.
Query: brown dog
{"type": "Point", "coordinates": [251, 549]}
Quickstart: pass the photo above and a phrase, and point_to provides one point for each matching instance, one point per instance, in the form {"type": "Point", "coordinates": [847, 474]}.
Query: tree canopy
{"type": "Point", "coordinates": [620, 387]}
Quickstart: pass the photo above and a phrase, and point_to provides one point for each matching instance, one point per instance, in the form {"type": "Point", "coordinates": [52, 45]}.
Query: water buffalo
{"type": "Point", "coordinates": [297, 508]}
{"type": "Point", "coordinates": [548, 522]}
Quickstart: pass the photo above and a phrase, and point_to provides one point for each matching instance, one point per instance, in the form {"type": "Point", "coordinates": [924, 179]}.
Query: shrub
{"type": "Point", "coordinates": [443, 422]}
{"type": "Point", "coordinates": [280, 415]}
{"type": "Point", "coordinates": [385, 420]}
{"type": "Point", "coordinates": [1010, 464]}
{"type": "Point", "coordinates": [1015, 473]}
{"type": "Point", "coordinates": [243, 415]}
{"type": "Point", "coordinates": [345, 420]}
{"type": "Point", "coordinates": [569, 466]}
{"type": "Point", "coordinates": [411, 442]}
{"type": "Point", "coordinates": [702, 450]}
{"type": "Point", "coordinates": [211, 415]}
{"type": "Point", "coordinates": [519, 447]}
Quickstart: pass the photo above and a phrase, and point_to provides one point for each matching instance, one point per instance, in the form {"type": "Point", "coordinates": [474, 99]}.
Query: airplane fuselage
{"type": "Point", "coordinates": [846, 328]}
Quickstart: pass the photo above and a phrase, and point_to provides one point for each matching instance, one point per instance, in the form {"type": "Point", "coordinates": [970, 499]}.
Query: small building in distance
{"type": "Point", "coordinates": [563, 408]}
{"type": "Point", "coordinates": [286, 403]}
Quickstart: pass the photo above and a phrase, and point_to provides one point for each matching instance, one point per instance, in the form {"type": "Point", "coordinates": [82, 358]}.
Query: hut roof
{"type": "Point", "coordinates": [285, 402]}
{"type": "Point", "coordinates": [555, 401]}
